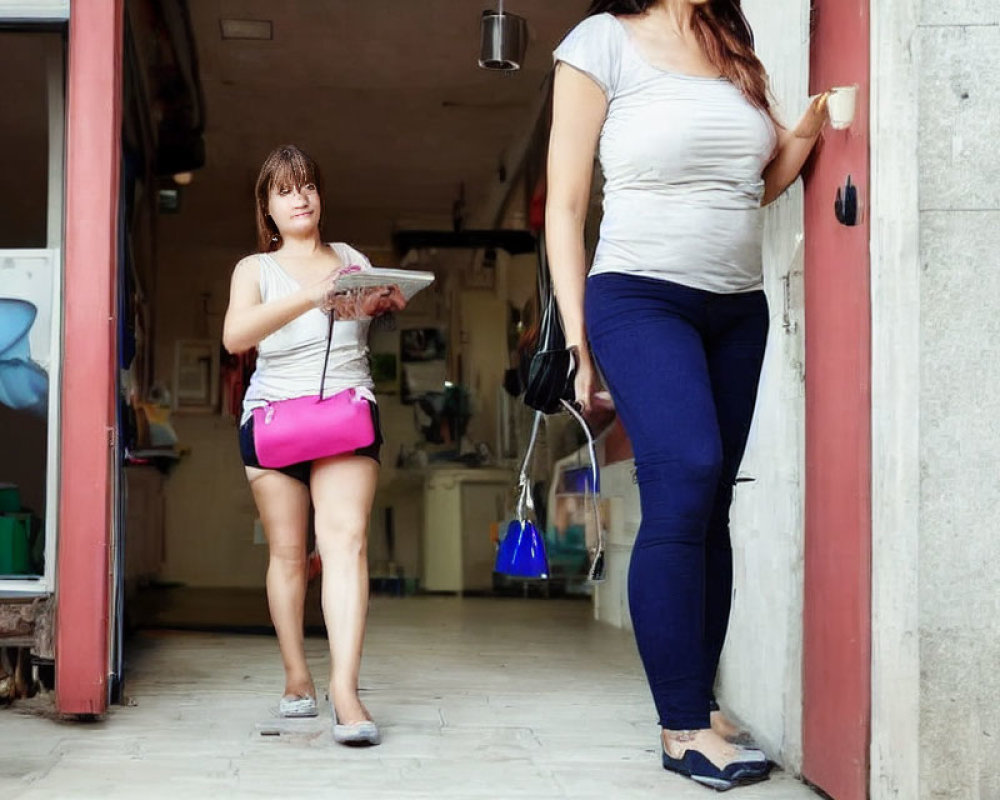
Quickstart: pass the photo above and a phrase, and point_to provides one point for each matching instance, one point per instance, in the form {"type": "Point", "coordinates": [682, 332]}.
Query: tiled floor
{"type": "Point", "coordinates": [476, 698]}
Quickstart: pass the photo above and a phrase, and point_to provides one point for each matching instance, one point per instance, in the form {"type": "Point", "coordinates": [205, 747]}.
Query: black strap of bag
{"type": "Point", "coordinates": [326, 357]}
{"type": "Point", "coordinates": [548, 390]}
{"type": "Point", "coordinates": [553, 366]}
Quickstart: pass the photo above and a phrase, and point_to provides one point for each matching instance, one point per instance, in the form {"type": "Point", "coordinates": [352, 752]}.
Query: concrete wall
{"type": "Point", "coordinates": [936, 723]}
{"type": "Point", "coordinates": [895, 297]}
{"type": "Point", "coordinates": [761, 671]}
{"type": "Point", "coordinates": [760, 679]}
{"type": "Point", "coordinates": [959, 98]}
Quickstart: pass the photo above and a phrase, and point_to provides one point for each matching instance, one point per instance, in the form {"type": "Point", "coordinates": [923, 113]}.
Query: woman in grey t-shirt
{"type": "Point", "coordinates": [671, 96]}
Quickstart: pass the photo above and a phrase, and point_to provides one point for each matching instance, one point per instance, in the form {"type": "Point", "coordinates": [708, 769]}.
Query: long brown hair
{"type": "Point", "coordinates": [723, 32]}
{"type": "Point", "coordinates": [285, 166]}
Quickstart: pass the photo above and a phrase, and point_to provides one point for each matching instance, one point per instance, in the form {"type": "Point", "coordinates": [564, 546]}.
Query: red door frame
{"type": "Point", "coordinates": [93, 148]}
{"type": "Point", "coordinates": [837, 615]}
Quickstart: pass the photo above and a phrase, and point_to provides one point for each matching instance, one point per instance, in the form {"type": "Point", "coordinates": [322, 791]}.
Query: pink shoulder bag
{"type": "Point", "coordinates": [306, 428]}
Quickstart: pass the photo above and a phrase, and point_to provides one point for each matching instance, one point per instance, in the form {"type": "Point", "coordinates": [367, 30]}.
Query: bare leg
{"type": "Point", "coordinates": [283, 505]}
{"type": "Point", "coordinates": [343, 489]}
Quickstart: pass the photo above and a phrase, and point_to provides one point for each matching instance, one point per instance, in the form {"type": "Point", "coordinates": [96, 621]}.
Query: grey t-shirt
{"type": "Point", "coordinates": [682, 158]}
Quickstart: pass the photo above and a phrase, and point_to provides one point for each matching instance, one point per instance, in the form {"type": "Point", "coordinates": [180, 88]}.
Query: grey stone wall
{"type": "Point", "coordinates": [959, 548]}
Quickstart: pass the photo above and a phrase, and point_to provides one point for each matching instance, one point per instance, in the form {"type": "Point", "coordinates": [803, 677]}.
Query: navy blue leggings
{"type": "Point", "coordinates": [683, 366]}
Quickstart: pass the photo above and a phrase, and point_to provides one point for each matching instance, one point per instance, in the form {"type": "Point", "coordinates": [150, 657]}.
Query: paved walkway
{"type": "Point", "coordinates": [476, 698]}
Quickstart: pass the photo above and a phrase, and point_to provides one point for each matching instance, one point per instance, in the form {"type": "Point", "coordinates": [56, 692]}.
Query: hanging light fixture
{"type": "Point", "coordinates": [504, 40]}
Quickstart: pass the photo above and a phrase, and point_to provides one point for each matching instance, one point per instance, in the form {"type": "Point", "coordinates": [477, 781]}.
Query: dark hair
{"type": "Point", "coordinates": [724, 33]}
{"type": "Point", "coordinates": [285, 166]}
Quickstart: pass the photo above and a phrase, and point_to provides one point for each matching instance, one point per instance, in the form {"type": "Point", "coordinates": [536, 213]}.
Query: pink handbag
{"type": "Point", "coordinates": [306, 428]}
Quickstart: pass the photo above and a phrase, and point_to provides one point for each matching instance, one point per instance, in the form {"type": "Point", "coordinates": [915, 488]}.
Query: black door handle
{"type": "Point", "coordinates": [845, 207]}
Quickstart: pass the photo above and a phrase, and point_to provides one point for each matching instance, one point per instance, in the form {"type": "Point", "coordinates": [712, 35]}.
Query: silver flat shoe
{"type": "Point", "coordinates": [293, 706]}
{"type": "Point", "coordinates": [357, 734]}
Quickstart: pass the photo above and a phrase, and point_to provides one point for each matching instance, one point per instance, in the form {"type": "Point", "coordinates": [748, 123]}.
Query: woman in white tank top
{"type": "Point", "coordinates": [280, 300]}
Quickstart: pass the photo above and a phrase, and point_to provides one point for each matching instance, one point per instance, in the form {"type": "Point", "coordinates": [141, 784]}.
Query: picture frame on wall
{"type": "Point", "coordinates": [196, 375]}
{"type": "Point", "coordinates": [423, 357]}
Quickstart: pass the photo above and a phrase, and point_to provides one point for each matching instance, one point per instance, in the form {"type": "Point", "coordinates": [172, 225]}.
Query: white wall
{"type": "Point", "coordinates": [209, 525]}
{"type": "Point", "coordinates": [895, 288]}
{"type": "Point", "coordinates": [761, 671]}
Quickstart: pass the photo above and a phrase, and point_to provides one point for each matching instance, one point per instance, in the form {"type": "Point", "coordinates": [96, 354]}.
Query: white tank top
{"type": "Point", "coordinates": [290, 360]}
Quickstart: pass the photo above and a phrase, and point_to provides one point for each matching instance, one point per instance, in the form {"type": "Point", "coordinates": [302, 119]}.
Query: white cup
{"type": "Point", "coordinates": [841, 104]}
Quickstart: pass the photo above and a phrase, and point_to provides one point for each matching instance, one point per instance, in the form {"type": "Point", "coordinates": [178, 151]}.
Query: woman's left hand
{"type": "Point", "coordinates": [814, 119]}
{"type": "Point", "coordinates": [381, 300]}
{"type": "Point", "coordinates": [371, 302]}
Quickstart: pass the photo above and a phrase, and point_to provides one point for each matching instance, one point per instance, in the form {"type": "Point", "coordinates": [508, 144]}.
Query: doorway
{"type": "Point", "coordinates": [417, 145]}
{"type": "Point", "coordinates": [203, 226]}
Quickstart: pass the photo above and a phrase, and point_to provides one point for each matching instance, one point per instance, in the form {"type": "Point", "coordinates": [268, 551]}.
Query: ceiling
{"type": "Point", "coordinates": [385, 94]}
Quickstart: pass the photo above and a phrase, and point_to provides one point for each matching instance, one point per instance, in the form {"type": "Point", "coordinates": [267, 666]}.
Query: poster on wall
{"type": "Point", "coordinates": [26, 328]}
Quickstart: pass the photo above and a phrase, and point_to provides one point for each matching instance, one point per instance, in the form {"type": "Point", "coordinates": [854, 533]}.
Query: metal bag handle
{"type": "Point", "coordinates": [525, 502]}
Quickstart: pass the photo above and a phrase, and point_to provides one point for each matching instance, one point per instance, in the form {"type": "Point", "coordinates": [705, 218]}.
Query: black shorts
{"type": "Point", "coordinates": [303, 469]}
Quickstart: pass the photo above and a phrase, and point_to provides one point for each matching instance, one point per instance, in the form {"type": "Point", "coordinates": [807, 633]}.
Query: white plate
{"type": "Point", "coordinates": [409, 281]}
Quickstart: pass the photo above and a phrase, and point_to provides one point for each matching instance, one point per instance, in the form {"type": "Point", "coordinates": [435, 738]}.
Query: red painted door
{"type": "Point", "coordinates": [837, 635]}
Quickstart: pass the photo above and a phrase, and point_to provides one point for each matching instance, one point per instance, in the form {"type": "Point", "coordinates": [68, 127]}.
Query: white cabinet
{"type": "Point", "coordinates": [461, 506]}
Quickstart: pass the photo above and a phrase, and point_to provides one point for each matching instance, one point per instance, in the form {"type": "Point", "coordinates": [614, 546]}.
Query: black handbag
{"type": "Point", "coordinates": [552, 368]}
{"type": "Point", "coordinates": [548, 388]}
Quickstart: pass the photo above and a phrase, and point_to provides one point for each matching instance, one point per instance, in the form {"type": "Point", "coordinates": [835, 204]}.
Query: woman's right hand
{"type": "Point", "coordinates": [324, 293]}
{"type": "Point", "coordinates": [585, 383]}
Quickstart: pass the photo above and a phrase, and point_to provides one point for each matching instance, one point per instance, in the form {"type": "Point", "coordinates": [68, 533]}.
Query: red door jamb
{"type": "Point", "coordinates": [93, 147]}
{"type": "Point", "coordinates": [837, 618]}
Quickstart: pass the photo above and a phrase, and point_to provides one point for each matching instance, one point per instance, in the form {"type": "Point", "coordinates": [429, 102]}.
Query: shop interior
{"type": "Point", "coordinates": [431, 162]}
